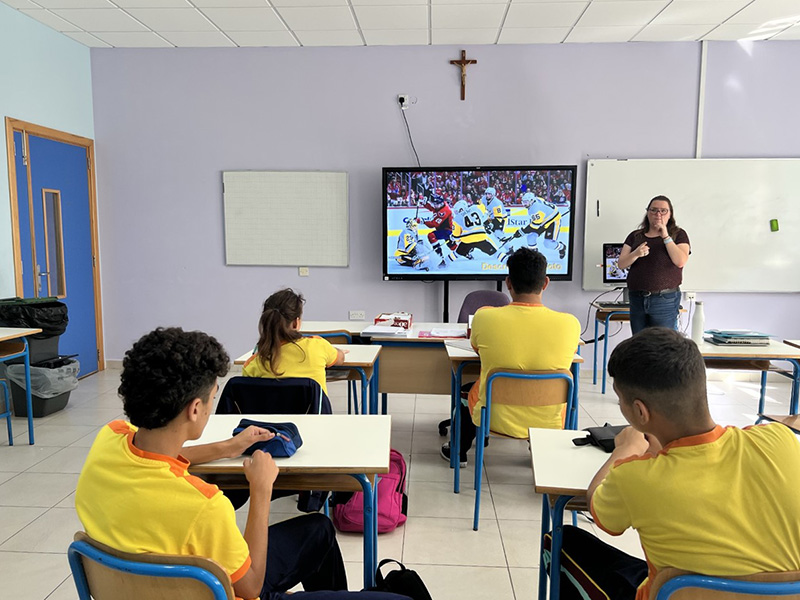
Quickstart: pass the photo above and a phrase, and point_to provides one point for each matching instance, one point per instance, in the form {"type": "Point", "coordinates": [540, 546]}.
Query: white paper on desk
{"type": "Point", "coordinates": [384, 330]}
{"type": "Point", "coordinates": [460, 344]}
{"type": "Point", "coordinates": [448, 333]}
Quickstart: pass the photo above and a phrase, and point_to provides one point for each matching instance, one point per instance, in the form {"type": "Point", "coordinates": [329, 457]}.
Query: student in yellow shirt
{"type": "Point", "coordinates": [704, 498]}
{"type": "Point", "coordinates": [282, 351]}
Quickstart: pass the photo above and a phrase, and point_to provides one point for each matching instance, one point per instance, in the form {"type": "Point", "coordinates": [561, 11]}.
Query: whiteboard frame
{"type": "Point", "coordinates": [725, 206]}
{"type": "Point", "coordinates": [286, 218]}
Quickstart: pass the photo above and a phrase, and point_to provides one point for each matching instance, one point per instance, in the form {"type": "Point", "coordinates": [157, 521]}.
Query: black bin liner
{"type": "Point", "coordinates": [46, 314]}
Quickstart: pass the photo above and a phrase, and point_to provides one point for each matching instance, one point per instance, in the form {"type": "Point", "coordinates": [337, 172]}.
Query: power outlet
{"type": "Point", "coordinates": [404, 100]}
{"type": "Point", "coordinates": [302, 271]}
{"type": "Point", "coordinates": [358, 315]}
{"type": "Point", "coordinates": [690, 295]}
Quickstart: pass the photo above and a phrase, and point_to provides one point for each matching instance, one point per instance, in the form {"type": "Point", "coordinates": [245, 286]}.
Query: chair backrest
{"type": "Point", "coordinates": [258, 395]}
{"type": "Point", "coordinates": [103, 573]}
{"type": "Point", "coordinates": [676, 584]}
{"type": "Point", "coordinates": [339, 336]}
{"type": "Point", "coordinates": [478, 299]}
{"type": "Point", "coordinates": [511, 387]}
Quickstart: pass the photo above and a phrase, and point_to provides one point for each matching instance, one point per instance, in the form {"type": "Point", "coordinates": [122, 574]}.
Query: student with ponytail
{"type": "Point", "coordinates": [282, 351]}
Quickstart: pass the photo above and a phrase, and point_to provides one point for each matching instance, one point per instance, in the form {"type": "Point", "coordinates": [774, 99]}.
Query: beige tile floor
{"type": "Point", "coordinates": [499, 562]}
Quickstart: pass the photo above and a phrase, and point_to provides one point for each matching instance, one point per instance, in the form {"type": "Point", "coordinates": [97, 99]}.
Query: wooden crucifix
{"type": "Point", "coordinates": [463, 64]}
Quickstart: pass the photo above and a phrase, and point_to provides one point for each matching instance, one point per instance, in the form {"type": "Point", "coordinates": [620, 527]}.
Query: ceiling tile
{"type": "Point", "coordinates": [698, 12]}
{"type": "Point", "coordinates": [474, 16]}
{"type": "Point", "coordinates": [245, 19]}
{"type": "Point", "coordinates": [791, 33]}
{"type": "Point", "coordinates": [303, 3]}
{"type": "Point", "coordinates": [741, 31]}
{"type": "Point", "coordinates": [330, 38]}
{"type": "Point", "coordinates": [392, 17]}
{"type": "Point", "coordinates": [263, 38]}
{"type": "Point", "coordinates": [230, 3]}
{"type": "Point", "coordinates": [75, 4]}
{"type": "Point", "coordinates": [100, 19]}
{"type": "Point", "coordinates": [463, 36]}
{"type": "Point", "coordinates": [538, 15]}
{"type": "Point", "coordinates": [319, 19]}
{"type": "Point", "coordinates": [172, 19]}
{"type": "Point", "coordinates": [21, 4]}
{"type": "Point", "coordinates": [672, 33]}
{"type": "Point", "coordinates": [51, 20]}
{"type": "Point", "coordinates": [197, 39]}
{"type": "Point", "coordinates": [602, 34]}
{"type": "Point", "coordinates": [153, 3]}
{"type": "Point", "coordinates": [533, 35]}
{"type": "Point", "coordinates": [87, 39]}
{"type": "Point", "coordinates": [396, 37]}
{"type": "Point", "coordinates": [467, 2]}
{"type": "Point", "coordinates": [621, 13]}
{"type": "Point", "coordinates": [133, 39]}
{"type": "Point", "coordinates": [786, 12]}
{"type": "Point", "coordinates": [391, 2]}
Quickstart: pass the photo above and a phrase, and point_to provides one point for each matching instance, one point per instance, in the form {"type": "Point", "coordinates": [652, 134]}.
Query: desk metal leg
{"type": "Point", "coordinates": [555, 552]}
{"type": "Point", "coordinates": [793, 402]}
{"type": "Point", "coordinates": [545, 529]}
{"type": "Point", "coordinates": [572, 418]}
{"type": "Point", "coordinates": [370, 528]}
{"type": "Point", "coordinates": [594, 365]}
{"type": "Point", "coordinates": [373, 388]}
{"type": "Point", "coordinates": [28, 398]}
{"type": "Point", "coordinates": [605, 352]}
{"type": "Point", "coordinates": [763, 395]}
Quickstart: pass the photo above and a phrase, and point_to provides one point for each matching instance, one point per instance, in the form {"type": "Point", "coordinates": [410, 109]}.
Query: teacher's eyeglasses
{"type": "Point", "coordinates": [658, 211]}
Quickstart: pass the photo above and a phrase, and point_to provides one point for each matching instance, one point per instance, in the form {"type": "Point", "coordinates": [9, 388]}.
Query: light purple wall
{"type": "Point", "coordinates": [168, 122]}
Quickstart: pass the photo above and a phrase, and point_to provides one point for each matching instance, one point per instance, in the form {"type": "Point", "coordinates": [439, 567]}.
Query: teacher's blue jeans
{"type": "Point", "coordinates": [655, 310]}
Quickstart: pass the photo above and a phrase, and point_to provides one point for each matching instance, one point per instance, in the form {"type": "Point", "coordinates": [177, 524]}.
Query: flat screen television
{"type": "Point", "coordinates": [460, 223]}
{"type": "Point", "coordinates": [612, 274]}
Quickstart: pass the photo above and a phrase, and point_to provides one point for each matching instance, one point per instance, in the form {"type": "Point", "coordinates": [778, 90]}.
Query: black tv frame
{"type": "Point", "coordinates": [432, 275]}
{"type": "Point", "coordinates": [607, 280]}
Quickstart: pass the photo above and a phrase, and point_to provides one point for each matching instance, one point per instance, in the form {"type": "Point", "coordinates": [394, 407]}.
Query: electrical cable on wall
{"type": "Point", "coordinates": [402, 104]}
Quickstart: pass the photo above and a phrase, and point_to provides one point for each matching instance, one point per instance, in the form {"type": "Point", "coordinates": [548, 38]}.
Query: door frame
{"type": "Point", "coordinates": [25, 128]}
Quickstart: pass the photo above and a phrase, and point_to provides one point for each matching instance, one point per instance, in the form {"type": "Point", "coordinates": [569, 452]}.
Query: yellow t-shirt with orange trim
{"type": "Point", "coordinates": [138, 501]}
{"type": "Point", "coordinates": [722, 503]}
{"type": "Point", "coordinates": [307, 357]}
{"type": "Point", "coordinates": [526, 337]}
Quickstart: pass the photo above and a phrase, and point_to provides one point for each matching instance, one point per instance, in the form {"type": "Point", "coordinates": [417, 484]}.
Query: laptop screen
{"type": "Point", "coordinates": [612, 274]}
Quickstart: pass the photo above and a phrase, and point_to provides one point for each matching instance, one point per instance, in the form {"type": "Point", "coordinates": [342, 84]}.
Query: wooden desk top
{"type": "Point", "coordinates": [775, 351]}
{"type": "Point", "coordinates": [559, 466]}
{"type": "Point", "coordinates": [13, 333]}
{"type": "Point", "coordinates": [356, 355]}
{"type": "Point", "coordinates": [457, 355]}
{"type": "Point", "coordinates": [331, 443]}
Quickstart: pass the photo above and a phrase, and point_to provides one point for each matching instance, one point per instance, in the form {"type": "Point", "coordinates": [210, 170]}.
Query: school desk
{"type": "Point", "coordinates": [339, 453]}
{"type": "Point", "coordinates": [14, 345]}
{"type": "Point", "coordinates": [562, 472]}
{"type": "Point", "coordinates": [364, 359]}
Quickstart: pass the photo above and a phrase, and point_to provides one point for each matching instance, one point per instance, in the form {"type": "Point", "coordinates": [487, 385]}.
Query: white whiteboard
{"type": "Point", "coordinates": [725, 205]}
{"type": "Point", "coordinates": [290, 218]}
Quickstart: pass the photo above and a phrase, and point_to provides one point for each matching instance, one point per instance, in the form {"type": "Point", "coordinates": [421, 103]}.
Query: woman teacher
{"type": "Point", "coordinates": [655, 254]}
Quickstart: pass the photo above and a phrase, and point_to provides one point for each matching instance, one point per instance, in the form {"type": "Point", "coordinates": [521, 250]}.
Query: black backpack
{"type": "Point", "coordinates": [400, 581]}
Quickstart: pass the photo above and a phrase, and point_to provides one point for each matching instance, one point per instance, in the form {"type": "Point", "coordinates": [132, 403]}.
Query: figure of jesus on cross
{"type": "Point", "coordinates": [463, 64]}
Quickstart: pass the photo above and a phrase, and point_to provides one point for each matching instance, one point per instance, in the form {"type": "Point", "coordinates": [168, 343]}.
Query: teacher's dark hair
{"type": "Point", "coordinates": [664, 370]}
{"type": "Point", "coordinates": [167, 369]}
{"type": "Point", "coordinates": [527, 270]}
{"type": "Point", "coordinates": [275, 325]}
{"type": "Point", "coordinates": [672, 226]}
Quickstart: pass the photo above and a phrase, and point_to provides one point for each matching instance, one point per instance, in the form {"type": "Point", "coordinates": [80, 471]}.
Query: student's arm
{"type": "Point", "coordinates": [261, 472]}
{"type": "Point", "coordinates": [339, 357]}
{"type": "Point", "coordinates": [628, 256]}
{"type": "Point", "coordinates": [628, 442]}
{"type": "Point", "coordinates": [230, 448]}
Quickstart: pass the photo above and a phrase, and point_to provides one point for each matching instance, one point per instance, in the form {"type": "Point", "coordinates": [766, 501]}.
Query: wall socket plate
{"type": "Point", "coordinates": [690, 295]}
{"type": "Point", "coordinates": [404, 100]}
{"type": "Point", "coordinates": [358, 315]}
{"type": "Point", "coordinates": [302, 271]}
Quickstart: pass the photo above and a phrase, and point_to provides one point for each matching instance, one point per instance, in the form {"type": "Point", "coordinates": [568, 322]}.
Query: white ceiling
{"type": "Point", "coordinates": [196, 23]}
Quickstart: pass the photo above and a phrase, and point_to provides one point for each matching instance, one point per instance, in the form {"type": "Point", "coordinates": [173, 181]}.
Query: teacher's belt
{"type": "Point", "coordinates": [655, 293]}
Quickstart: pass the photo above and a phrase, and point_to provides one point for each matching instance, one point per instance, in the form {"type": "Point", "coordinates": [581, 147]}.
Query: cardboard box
{"type": "Point", "coordinates": [395, 319]}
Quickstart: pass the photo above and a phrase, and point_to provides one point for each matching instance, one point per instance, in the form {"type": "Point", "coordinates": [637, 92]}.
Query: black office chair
{"type": "Point", "coordinates": [289, 396]}
{"type": "Point", "coordinates": [472, 302]}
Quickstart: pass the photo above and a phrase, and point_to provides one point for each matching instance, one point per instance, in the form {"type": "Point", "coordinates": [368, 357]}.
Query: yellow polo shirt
{"type": "Point", "coordinates": [527, 337]}
{"type": "Point", "coordinates": [722, 503]}
{"type": "Point", "coordinates": [307, 357]}
{"type": "Point", "coordinates": [138, 501]}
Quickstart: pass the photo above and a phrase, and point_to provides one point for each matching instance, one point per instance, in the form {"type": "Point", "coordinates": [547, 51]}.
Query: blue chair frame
{"type": "Point", "coordinates": [734, 586]}
{"type": "Point", "coordinates": [80, 549]}
{"type": "Point", "coordinates": [7, 413]}
{"type": "Point", "coordinates": [485, 426]}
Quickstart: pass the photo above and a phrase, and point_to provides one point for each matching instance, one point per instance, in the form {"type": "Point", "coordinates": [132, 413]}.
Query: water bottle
{"type": "Point", "coordinates": [698, 323]}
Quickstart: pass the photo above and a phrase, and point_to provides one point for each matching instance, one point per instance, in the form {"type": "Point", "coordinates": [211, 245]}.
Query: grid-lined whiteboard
{"type": "Point", "coordinates": [289, 218]}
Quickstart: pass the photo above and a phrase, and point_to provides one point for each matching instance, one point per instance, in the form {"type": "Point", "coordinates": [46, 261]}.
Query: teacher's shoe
{"type": "Point", "coordinates": [445, 454]}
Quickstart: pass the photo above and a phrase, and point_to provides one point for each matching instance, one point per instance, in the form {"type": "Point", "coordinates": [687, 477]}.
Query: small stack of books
{"type": "Point", "coordinates": [737, 337]}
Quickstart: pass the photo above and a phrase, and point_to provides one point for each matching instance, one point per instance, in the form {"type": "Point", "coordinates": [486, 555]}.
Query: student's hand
{"type": "Point", "coordinates": [251, 435]}
{"type": "Point", "coordinates": [630, 442]}
{"type": "Point", "coordinates": [642, 250]}
{"type": "Point", "coordinates": [261, 471]}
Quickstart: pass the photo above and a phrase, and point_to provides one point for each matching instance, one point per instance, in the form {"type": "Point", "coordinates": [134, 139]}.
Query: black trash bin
{"type": "Point", "coordinates": [51, 383]}
{"type": "Point", "coordinates": [49, 315]}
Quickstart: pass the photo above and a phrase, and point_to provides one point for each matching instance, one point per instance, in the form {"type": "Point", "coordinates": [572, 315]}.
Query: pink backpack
{"type": "Point", "coordinates": [392, 501]}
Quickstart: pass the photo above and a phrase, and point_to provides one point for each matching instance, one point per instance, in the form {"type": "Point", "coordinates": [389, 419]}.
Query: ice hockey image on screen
{"type": "Point", "coordinates": [463, 223]}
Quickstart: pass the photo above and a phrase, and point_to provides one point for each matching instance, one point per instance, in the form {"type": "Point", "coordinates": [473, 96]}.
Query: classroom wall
{"type": "Point", "coordinates": [168, 122]}
{"type": "Point", "coordinates": [46, 80]}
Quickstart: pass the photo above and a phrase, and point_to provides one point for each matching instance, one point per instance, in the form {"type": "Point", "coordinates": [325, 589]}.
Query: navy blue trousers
{"type": "Point", "coordinates": [656, 310]}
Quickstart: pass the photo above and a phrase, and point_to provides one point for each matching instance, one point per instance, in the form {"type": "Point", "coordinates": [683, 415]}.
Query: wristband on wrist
{"type": "Point", "coordinates": [667, 240]}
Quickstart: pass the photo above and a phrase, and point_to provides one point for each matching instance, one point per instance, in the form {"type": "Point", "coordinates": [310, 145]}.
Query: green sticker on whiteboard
{"type": "Point", "coordinates": [773, 224]}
